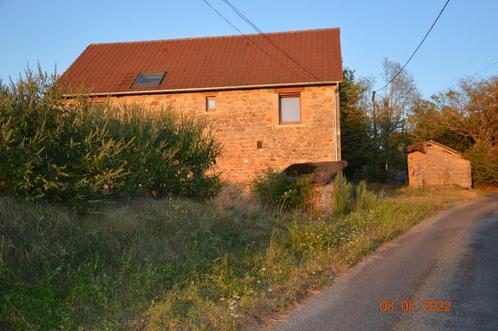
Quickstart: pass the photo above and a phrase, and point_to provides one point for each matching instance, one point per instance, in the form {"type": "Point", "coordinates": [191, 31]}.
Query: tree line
{"type": "Point", "coordinates": [376, 132]}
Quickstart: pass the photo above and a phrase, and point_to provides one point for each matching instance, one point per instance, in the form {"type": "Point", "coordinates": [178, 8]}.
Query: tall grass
{"type": "Point", "coordinates": [342, 195]}
{"type": "Point", "coordinates": [364, 199]}
{"type": "Point", "coordinates": [74, 152]}
{"type": "Point", "coordinates": [172, 264]}
{"type": "Point", "coordinates": [347, 198]}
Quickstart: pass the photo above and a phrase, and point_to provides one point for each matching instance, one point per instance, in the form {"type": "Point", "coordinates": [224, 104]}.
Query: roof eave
{"type": "Point", "coordinates": [201, 89]}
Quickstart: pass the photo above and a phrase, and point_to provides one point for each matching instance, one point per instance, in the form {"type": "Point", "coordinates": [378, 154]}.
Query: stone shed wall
{"type": "Point", "coordinates": [438, 168]}
{"type": "Point", "coordinates": [244, 117]}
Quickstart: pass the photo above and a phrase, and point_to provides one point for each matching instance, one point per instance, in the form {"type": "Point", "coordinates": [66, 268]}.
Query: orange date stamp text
{"type": "Point", "coordinates": [412, 306]}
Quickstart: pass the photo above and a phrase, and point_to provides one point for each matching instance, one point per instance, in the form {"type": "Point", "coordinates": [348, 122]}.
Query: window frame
{"type": "Point", "coordinates": [207, 98]}
{"type": "Point", "coordinates": [289, 95]}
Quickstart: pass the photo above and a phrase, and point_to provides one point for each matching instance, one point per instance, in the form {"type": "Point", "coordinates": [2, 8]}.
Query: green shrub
{"type": "Point", "coordinates": [342, 195]}
{"type": "Point", "coordinates": [72, 152]}
{"type": "Point", "coordinates": [279, 190]}
{"type": "Point", "coordinates": [484, 162]}
{"type": "Point", "coordinates": [364, 199]}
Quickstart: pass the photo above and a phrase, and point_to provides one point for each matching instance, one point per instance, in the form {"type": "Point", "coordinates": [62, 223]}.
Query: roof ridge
{"type": "Point", "coordinates": [446, 147]}
{"type": "Point", "coordinates": [212, 37]}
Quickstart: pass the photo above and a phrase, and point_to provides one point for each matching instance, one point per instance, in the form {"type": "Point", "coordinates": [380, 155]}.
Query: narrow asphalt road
{"type": "Point", "coordinates": [450, 259]}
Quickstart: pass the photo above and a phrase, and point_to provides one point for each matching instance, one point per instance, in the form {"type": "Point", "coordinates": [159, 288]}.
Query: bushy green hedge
{"type": "Point", "coordinates": [278, 190]}
{"type": "Point", "coordinates": [73, 152]}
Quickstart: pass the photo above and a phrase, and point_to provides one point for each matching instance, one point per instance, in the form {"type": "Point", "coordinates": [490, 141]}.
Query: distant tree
{"type": "Point", "coordinates": [392, 109]}
{"type": "Point", "coordinates": [472, 114]}
{"type": "Point", "coordinates": [429, 121]}
{"type": "Point", "coordinates": [356, 141]}
{"type": "Point", "coordinates": [472, 110]}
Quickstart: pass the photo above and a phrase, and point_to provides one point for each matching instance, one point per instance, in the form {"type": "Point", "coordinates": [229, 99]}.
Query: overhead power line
{"type": "Point", "coordinates": [484, 69]}
{"type": "Point", "coordinates": [416, 49]}
{"type": "Point", "coordinates": [258, 30]}
{"type": "Point", "coordinates": [247, 37]}
{"type": "Point", "coordinates": [474, 74]}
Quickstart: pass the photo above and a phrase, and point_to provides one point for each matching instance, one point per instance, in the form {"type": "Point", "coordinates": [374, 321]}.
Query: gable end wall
{"type": "Point", "coordinates": [438, 168]}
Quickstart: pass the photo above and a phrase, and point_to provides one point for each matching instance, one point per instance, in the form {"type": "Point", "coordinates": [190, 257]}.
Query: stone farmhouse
{"type": "Point", "coordinates": [273, 99]}
{"type": "Point", "coordinates": [431, 164]}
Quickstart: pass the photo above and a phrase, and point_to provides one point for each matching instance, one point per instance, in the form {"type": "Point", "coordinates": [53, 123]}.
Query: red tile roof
{"type": "Point", "coordinates": [308, 57]}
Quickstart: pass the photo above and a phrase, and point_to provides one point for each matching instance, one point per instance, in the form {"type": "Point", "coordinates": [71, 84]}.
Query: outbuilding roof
{"type": "Point", "coordinates": [423, 145]}
{"type": "Point", "coordinates": [306, 57]}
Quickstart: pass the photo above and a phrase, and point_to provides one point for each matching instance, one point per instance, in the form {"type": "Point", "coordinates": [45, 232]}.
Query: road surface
{"type": "Point", "coordinates": [448, 263]}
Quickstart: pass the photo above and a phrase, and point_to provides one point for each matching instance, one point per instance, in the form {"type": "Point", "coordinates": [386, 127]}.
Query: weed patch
{"type": "Point", "coordinates": [170, 264]}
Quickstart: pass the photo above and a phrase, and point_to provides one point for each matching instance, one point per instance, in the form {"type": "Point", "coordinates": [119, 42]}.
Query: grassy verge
{"type": "Point", "coordinates": [165, 264]}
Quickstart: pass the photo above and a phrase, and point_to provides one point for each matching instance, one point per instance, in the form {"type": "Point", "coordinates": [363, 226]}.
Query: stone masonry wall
{"type": "Point", "coordinates": [438, 168]}
{"type": "Point", "coordinates": [244, 117]}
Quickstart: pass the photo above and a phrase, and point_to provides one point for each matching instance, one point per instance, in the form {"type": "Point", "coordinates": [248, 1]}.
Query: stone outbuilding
{"type": "Point", "coordinates": [431, 164]}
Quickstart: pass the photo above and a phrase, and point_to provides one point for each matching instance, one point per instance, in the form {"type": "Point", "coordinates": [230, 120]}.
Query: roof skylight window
{"type": "Point", "coordinates": [149, 79]}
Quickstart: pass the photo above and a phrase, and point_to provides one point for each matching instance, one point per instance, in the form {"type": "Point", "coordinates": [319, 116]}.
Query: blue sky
{"type": "Point", "coordinates": [55, 32]}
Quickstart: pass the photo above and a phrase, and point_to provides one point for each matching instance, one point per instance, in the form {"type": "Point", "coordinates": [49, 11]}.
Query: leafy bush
{"type": "Point", "coordinates": [484, 162]}
{"type": "Point", "coordinates": [277, 189]}
{"type": "Point", "coordinates": [73, 152]}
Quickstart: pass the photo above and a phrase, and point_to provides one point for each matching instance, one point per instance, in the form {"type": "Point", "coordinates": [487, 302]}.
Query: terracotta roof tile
{"type": "Point", "coordinates": [210, 62]}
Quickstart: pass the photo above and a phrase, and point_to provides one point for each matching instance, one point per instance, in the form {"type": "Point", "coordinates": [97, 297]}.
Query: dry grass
{"type": "Point", "coordinates": [176, 264]}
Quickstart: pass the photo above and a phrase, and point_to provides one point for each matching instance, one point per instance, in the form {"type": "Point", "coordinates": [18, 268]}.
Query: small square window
{"type": "Point", "coordinates": [210, 103]}
{"type": "Point", "coordinates": [290, 109]}
{"type": "Point", "coordinates": [149, 79]}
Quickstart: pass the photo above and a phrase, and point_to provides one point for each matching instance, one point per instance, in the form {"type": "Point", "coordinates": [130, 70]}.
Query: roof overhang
{"type": "Point", "coordinates": [199, 89]}
{"type": "Point", "coordinates": [422, 148]}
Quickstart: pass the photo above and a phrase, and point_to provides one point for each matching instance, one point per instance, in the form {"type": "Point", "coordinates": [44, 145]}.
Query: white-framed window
{"type": "Point", "coordinates": [290, 108]}
{"type": "Point", "coordinates": [210, 103]}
